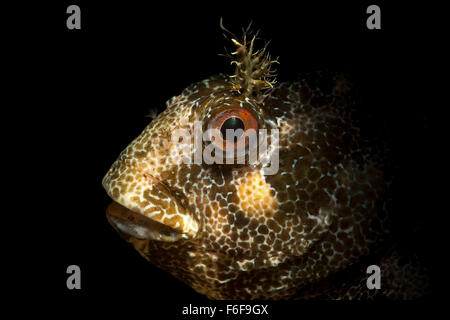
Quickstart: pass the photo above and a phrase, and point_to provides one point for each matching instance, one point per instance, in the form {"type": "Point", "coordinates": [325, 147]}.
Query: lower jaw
{"type": "Point", "coordinates": [136, 225]}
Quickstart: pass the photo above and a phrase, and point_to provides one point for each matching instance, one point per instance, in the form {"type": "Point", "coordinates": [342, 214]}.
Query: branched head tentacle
{"type": "Point", "coordinates": [254, 73]}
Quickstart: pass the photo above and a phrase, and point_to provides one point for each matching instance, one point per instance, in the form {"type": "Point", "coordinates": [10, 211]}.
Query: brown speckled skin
{"type": "Point", "coordinates": [243, 235]}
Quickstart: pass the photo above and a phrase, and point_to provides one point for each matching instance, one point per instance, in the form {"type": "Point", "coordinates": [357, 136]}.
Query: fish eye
{"type": "Point", "coordinates": [232, 124]}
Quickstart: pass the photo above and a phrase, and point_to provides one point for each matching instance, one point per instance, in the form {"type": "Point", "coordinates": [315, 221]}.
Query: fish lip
{"type": "Point", "coordinates": [188, 226]}
{"type": "Point", "coordinates": [122, 218]}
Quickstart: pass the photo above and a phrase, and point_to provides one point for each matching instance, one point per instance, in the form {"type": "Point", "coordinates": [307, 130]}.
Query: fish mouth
{"type": "Point", "coordinates": [138, 226]}
{"type": "Point", "coordinates": [150, 211]}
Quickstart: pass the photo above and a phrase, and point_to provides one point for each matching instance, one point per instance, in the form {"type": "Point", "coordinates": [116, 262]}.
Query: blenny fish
{"type": "Point", "coordinates": [230, 231]}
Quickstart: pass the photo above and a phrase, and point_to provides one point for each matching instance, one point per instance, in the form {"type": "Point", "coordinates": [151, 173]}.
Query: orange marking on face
{"type": "Point", "coordinates": [254, 193]}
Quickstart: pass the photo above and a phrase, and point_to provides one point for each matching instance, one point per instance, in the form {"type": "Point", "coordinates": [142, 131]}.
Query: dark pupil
{"type": "Point", "coordinates": [232, 123]}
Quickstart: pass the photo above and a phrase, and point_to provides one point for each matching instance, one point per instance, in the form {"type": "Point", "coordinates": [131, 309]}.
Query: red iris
{"type": "Point", "coordinates": [233, 124]}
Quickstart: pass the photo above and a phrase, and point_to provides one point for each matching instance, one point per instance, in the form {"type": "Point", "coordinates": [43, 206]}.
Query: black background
{"type": "Point", "coordinates": [89, 90]}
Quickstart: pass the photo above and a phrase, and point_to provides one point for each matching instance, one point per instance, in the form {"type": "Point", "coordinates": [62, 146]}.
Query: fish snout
{"type": "Point", "coordinates": [145, 208]}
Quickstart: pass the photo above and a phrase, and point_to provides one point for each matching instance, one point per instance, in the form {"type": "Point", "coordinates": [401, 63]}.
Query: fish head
{"type": "Point", "coordinates": [193, 202]}
{"type": "Point", "coordinates": [165, 177]}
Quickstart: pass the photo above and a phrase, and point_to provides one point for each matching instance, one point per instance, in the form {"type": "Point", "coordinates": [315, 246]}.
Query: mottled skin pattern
{"type": "Point", "coordinates": [230, 232]}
